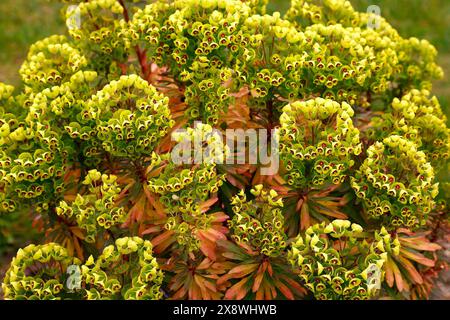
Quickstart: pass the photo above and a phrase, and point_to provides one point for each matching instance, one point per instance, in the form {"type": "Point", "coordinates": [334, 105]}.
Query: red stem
{"type": "Point", "coordinates": [141, 54]}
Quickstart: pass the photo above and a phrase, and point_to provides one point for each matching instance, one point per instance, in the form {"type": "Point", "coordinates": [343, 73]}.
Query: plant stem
{"type": "Point", "coordinates": [141, 54]}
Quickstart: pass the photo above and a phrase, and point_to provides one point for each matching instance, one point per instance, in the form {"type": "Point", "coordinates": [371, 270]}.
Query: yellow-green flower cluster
{"type": "Point", "coordinates": [317, 141]}
{"type": "Point", "coordinates": [307, 12]}
{"type": "Point", "coordinates": [196, 176]}
{"type": "Point", "coordinates": [62, 105]}
{"type": "Point", "coordinates": [32, 175]}
{"type": "Point", "coordinates": [125, 270]}
{"type": "Point", "coordinates": [62, 102]}
{"type": "Point", "coordinates": [384, 242]}
{"type": "Point", "coordinates": [259, 223]}
{"type": "Point", "coordinates": [97, 26]}
{"type": "Point", "coordinates": [36, 273]}
{"type": "Point", "coordinates": [97, 209]}
{"type": "Point", "coordinates": [50, 62]}
{"type": "Point", "coordinates": [409, 62]}
{"type": "Point", "coordinates": [331, 268]}
{"type": "Point", "coordinates": [32, 164]}
{"type": "Point", "coordinates": [5, 91]}
{"type": "Point", "coordinates": [330, 61]}
{"type": "Point", "coordinates": [184, 192]}
{"type": "Point", "coordinates": [257, 6]}
{"type": "Point", "coordinates": [184, 187]}
{"type": "Point", "coordinates": [417, 63]}
{"type": "Point", "coordinates": [200, 42]}
{"type": "Point", "coordinates": [216, 48]}
{"type": "Point", "coordinates": [128, 116]}
{"type": "Point", "coordinates": [396, 183]}
{"type": "Point", "coordinates": [419, 118]}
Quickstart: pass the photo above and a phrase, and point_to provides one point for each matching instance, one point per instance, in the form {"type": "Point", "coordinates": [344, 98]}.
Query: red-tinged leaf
{"type": "Point", "coordinates": [405, 231]}
{"type": "Point", "coordinates": [195, 292]}
{"type": "Point", "coordinates": [78, 248]}
{"type": "Point", "coordinates": [242, 92]}
{"type": "Point", "coordinates": [233, 256]}
{"type": "Point", "coordinates": [332, 213]}
{"type": "Point", "coordinates": [219, 216]}
{"type": "Point", "coordinates": [207, 246]}
{"type": "Point", "coordinates": [248, 249]}
{"type": "Point", "coordinates": [231, 248]}
{"type": "Point", "coordinates": [152, 229]}
{"type": "Point", "coordinates": [274, 292]}
{"type": "Point", "coordinates": [78, 232]}
{"type": "Point", "coordinates": [243, 270]}
{"type": "Point", "coordinates": [220, 267]}
{"type": "Point", "coordinates": [204, 236]}
{"type": "Point", "coordinates": [220, 228]}
{"type": "Point", "coordinates": [398, 277]}
{"type": "Point", "coordinates": [180, 280]}
{"type": "Point", "coordinates": [263, 267]}
{"type": "Point", "coordinates": [284, 290]}
{"type": "Point", "coordinates": [267, 292]}
{"type": "Point", "coordinates": [211, 286]}
{"type": "Point", "coordinates": [223, 279]}
{"type": "Point", "coordinates": [258, 279]}
{"type": "Point", "coordinates": [345, 199]}
{"type": "Point", "coordinates": [294, 285]}
{"type": "Point", "coordinates": [70, 197]}
{"type": "Point", "coordinates": [124, 191]}
{"type": "Point", "coordinates": [418, 257]}
{"type": "Point", "coordinates": [237, 291]}
{"type": "Point", "coordinates": [162, 237]}
{"type": "Point", "coordinates": [304, 217]}
{"type": "Point", "coordinates": [259, 295]}
{"type": "Point", "coordinates": [389, 273]}
{"type": "Point", "coordinates": [208, 249]}
{"type": "Point", "coordinates": [299, 204]}
{"type": "Point", "coordinates": [420, 245]}
{"type": "Point", "coordinates": [214, 235]}
{"type": "Point", "coordinates": [164, 245]}
{"type": "Point", "coordinates": [207, 204]}
{"type": "Point", "coordinates": [69, 245]}
{"type": "Point", "coordinates": [156, 204]}
{"type": "Point", "coordinates": [235, 181]}
{"type": "Point", "coordinates": [200, 282]}
{"type": "Point", "coordinates": [164, 240]}
{"type": "Point", "coordinates": [205, 264]}
{"type": "Point", "coordinates": [415, 276]}
{"type": "Point", "coordinates": [269, 269]}
{"type": "Point", "coordinates": [137, 211]}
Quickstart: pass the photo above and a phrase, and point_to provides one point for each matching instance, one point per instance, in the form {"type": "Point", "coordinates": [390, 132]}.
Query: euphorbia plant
{"type": "Point", "coordinates": [88, 144]}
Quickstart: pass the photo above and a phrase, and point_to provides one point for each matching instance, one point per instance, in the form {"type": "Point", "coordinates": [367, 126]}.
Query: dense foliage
{"type": "Point", "coordinates": [355, 211]}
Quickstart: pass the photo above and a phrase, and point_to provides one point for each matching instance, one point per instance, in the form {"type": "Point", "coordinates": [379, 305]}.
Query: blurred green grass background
{"type": "Point", "coordinates": [23, 22]}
